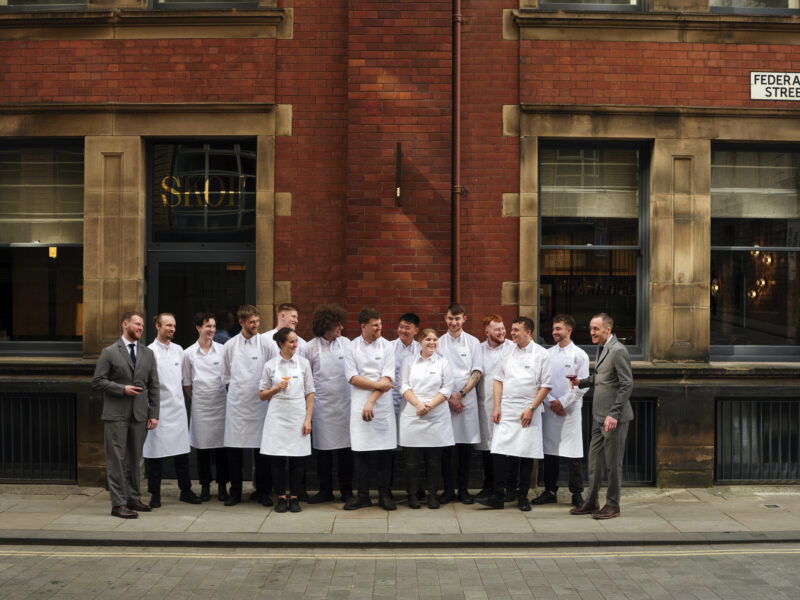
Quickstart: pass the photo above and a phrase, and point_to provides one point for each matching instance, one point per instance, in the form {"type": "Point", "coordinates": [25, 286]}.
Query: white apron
{"type": "Point", "coordinates": [426, 377]}
{"type": "Point", "coordinates": [331, 417]}
{"type": "Point", "coordinates": [372, 361]}
{"type": "Point", "coordinates": [283, 426]}
{"type": "Point", "coordinates": [563, 436]}
{"type": "Point", "coordinates": [466, 429]}
{"type": "Point", "coordinates": [490, 361]}
{"type": "Point", "coordinates": [245, 412]}
{"type": "Point", "coordinates": [204, 373]}
{"type": "Point", "coordinates": [519, 390]}
{"type": "Point", "coordinates": [171, 436]}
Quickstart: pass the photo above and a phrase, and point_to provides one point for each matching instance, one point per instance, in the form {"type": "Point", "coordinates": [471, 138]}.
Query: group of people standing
{"type": "Point", "coordinates": [357, 402]}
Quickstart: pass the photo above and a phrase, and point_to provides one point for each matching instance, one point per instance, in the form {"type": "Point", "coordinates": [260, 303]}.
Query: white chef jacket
{"type": "Point", "coordinates": [242, 365]}
{"type": "Point", "coordinates": [463, 354]}
{"type": "Point", "coordinates": [331, 417]}
{"type": "Point", "coordinates": [171, 436]}
{"type": "Point", "coordinates": [372, 361]}
{"type": "Point", "coordinates": [522, 371]}
{"type": "Point", "coordinates": [204, 373]}
{"type": "Point", "coordinates": [267, 337]}
{"type": "Point", "coordinates": [490, 361]}
{"type": "Point", "coordinates": [563, 436]}
{"type": "Point", "coordinates": [426, 377]}
{"type": "Point", "coordinates": [401, 353]}
{"type": "Point", "coordinates": [283, 425]}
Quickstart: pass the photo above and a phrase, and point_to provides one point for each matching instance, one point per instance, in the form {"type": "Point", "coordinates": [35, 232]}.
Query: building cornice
{"type": "Point", "coordinates": [657, 27]}
{"type": "Point", "coordinates": [128, 24]}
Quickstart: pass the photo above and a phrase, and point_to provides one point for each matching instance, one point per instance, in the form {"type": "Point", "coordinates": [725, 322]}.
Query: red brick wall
{"type": "Point", "coordinates": [208, 70]}
{"type": "Point", "coordinates": [399, 64]}
{"type": "Point", "coordinates": [639, 73]}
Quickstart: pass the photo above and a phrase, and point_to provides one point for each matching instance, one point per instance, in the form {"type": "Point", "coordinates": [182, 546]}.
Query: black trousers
{"type": "Point", "coordinates": [418, 460]}
{"type": "Point", "coordinates": [502, 466]}
{"type": "Point", "coordinates": [456, 479]}
{"type": "Point", "coordinates": [550, 473]}
{"type": "Point", "coordinates": [262, 480]}
{"type": "Point", "coordinates": [220, 456]}
{"type": "Point", "coordinates": [488, 471]}
{"type": "Point", "coordinates": [297, 469]}
{"type": "Point", "coordinates": [155, 471]}
{"type": "Point", "coordinates": [344, 459]}
{"type": "Point", "coordinates": [365, 463]}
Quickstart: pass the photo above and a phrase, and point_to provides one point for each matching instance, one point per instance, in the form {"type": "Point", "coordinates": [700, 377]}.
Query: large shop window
{"type": "Point", "coordinates": [755, 246]}
{"type": "Point", "coordinates": [594, 5]}
{"type": "Point", "coordinates": [41, 247]}
{"type": "Point", "coordinates": [592, 237]}
{"type": "Point", "coordinates": [201, 239]}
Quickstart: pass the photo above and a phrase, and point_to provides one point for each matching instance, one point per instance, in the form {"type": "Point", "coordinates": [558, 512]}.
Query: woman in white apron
{"type": "Point", "coordinates": [521, 384]}
{"type": "Point", "coordinates": [425, 425]}
{"type": "Point", "coordinates": [288, 386]}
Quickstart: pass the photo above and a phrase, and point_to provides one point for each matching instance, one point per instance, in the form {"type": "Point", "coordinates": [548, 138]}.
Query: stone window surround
{"type": "Point", "coordinates": [115, 190]}
{"type": "Point", "coordinates": [678, 294]}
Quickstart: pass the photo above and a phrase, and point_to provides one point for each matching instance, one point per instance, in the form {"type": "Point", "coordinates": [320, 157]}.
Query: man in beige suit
{"type": "Point", "coordinates": [611, 413]}
{"type": "Point", "coordinates": [126, 373]}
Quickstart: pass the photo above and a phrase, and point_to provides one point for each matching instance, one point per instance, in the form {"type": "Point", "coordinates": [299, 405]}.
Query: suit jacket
{"type": "Point", "coordinates": [613, 383]}
{"type": "Point", "coordinates": [115, 370]}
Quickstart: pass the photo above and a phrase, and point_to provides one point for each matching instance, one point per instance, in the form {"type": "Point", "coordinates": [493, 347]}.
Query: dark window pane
{"type": "Point", "coordinates": [584, 283]}
{"type": "Point", "coordinates": [41, 294]}
{"type": "Point", "coordinates": [203, 192]}
{"type": "Point", "coordinates": [750, 3]}
{"type": "Point", "coordinates": [754, 298]}
{"type": "Point", "coordinates": [187, 288]}
{"type": "Point", "coordinates": [589, 196]}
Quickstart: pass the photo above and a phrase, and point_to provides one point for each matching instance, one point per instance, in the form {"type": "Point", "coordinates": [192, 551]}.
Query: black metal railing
{"type": "Point", "coordinates": [38, 441]}
{"type": "Point", "coordinates": [757, 439]}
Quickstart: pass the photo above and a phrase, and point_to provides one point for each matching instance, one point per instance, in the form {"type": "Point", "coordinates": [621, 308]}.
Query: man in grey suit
{"type": "Point", "coordinates": [611, 413]}
{"type": "Point", "coordinates": [126, 373]}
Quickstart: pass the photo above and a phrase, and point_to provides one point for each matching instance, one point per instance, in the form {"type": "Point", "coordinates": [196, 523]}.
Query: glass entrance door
{"type": "Point", "coordinates": [181, 284]}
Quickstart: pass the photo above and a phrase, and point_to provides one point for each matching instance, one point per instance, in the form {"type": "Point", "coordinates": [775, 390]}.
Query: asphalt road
{"type": "Point", "coordinates": [754, 572]}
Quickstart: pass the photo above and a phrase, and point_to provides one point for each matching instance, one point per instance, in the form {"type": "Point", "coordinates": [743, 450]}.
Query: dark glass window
{"type": "Point", "coordinates": [755, 243]}
{"type": "Point", "coordinates": [203, 192]}
{"type": "Point", "coordinates": [42, 4]}
{"type": "Point", "coordinates": [587, 5]}
{"type": "Point", "coordinates": [41, 242]}
{"type": "Point", "coordinates": [590, 204]}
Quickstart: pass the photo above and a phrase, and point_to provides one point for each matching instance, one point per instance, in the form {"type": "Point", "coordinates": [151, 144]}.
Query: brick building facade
{"type": "Point", "coordinates": [609, 157]}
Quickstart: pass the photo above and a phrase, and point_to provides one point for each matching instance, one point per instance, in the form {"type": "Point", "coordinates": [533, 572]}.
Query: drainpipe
{"type": "Point", "coordinates": [455, 203]}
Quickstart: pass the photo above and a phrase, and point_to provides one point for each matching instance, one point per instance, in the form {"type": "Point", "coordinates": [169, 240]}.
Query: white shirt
{"type": "Point", "coordinates": [491, 357]}
{"type": "Point", "coordinates": [401, 354]}
{"type": "Point", "coordinates": [426, 377]}
{"type": "Point", "coordinates": [578, 362]}
{"type": "Point", "coordinates": [203, 371]}
{"type": "Point", "coordinates": [267, 337]}
{"type": "Point", "coordinates": [534, 373]}
{"type": "Point", "coordinates": [331, 420]}
{"type": "Point", "coordinates": [169, 358]}
{"type": "Point", "coordinates": [251, 350]}
{"type": "Point", "coordinates": [171, 437]}
{"type": "Point", "coordinates": [371, 360]}
{"type": "Point", "coordinates": [463, 354]}
{"type": "Point", "coordinates": [128, 346]}
{"type": "Point", "coordinates": [297, 365]}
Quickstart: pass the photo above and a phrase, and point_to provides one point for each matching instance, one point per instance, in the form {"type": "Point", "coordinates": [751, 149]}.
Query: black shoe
{"type": "Point", "coordinates": [346, 495]}
{"type": "Point", "coordinates": [493, 501]}
{"type": "Point", "coordinates": [222, 493]}
{"type": "Point", "coordinates": [282, 505]}
{"type": "Point", "coordinates": [155, 501]}
{"type": "Point", "coordinates": [577, 499]}
{"type": "Point", "coordinates": [233, 499]}
{"type": "Point", "coordinates": [189, 497]}
{"type": "Point", "coordinates": [320, 497]}
{"type": "Point", "coordinates": [357, 501]}
{"type": "Point", "coordinates": [465, 497]}
{"type": "Point", "coordinates": [511, 495]}
{"type": "Point", "coordinates": [266, 500]}
{"type": "Point", "coordinates": [433, 500]}
{"type": "Point", "coordinates": [386, 502]}
{"type": "Point", "coordinates": [294, 504]}
{"type": "Point", "coordinates": [413, 501]}
{"type": "Point", "coordinates": [205, 493]}
{"type": "Point", "coordinates": [446, 496]}
{"type": "Point", "coordinates": [484, 493]}
{"type": "Point", "coordinates": [546, 497]}
{"type": "Point", "coordinates": [523, 503]}
{"type": "Point", "coordinates": [302, 497]}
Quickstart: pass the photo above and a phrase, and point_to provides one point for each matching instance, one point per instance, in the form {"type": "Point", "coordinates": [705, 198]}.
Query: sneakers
{"type": "Point", "coordinates": [546, 497]}
{"type": "Point", "coordinates": [282, 505]}
{"type": "Point", "coordinates": [294, 505]}
{"type": "Point", "coordinates": [357, 501]}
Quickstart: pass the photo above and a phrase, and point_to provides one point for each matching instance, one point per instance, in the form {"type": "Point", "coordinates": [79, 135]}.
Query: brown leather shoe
{"type": "Point", "coordinates": [607, 512]}
{"type": "Point", "coordinates": [138, 505]}
{"type": "Point", "coordinates": [584, 509]}
{"type": "Point", "coordinates": [123, 512]}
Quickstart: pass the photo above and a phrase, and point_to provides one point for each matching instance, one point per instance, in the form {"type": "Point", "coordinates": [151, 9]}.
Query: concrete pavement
{"type": "Point", "coordinates": [68, 514]}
